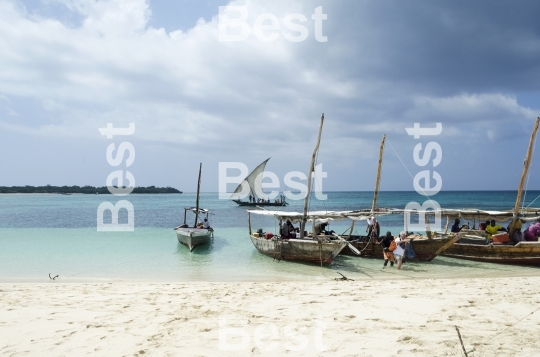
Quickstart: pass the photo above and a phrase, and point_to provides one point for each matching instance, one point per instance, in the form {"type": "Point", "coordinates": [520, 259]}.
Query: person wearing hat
{"type": "Point", "coordinates": [387, 254]}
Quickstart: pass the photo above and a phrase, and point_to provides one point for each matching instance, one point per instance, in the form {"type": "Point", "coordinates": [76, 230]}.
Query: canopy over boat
{"type": "Point", "coordinates": [528, 215]}
{"type": "Point", "coordinates": [194, 209]}
{"type": "Point", "coordinates": [321, 216]}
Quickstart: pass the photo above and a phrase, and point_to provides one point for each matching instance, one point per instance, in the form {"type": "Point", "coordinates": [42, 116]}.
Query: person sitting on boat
{"type": "Point", "coordinates": [517, 235]}
{"type": "Point", "coordinates": [288, 230]}
{"type": "Point", "coordinates": [483, 226]}
{"type": "Point", "coordinates": [206, 224]}
{"type": "Point", "coordinates": [373, 228]}
{"type": "Point", "coordinates": [320, 228]}
{"type": "Point", "coordinates": [455, 226]}
{"type": "Point", "coordinates": [387, 254]}
{"type": "Point", "coordinates": [399, 252]}
{"type": "Point", "coordinates": [493, 229]}
{"type": "Point", "coordinates": [285, 229]}
{"type": "Point", "coordinates": [533, 232]}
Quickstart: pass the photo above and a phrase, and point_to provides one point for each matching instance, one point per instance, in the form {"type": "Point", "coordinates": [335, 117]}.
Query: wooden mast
{"type": "Point", "coordinates": [524, 174]}
{"type": "Point", "coordinates": [378, 180]}
{"type": "Point", "coordinates": [310, 172]}
{"type": "Point", "coordinates": [198, 190]}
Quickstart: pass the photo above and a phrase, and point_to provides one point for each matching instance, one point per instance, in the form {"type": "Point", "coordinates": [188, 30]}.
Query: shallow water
{"type": "Point", "coordinates": [42, 234]}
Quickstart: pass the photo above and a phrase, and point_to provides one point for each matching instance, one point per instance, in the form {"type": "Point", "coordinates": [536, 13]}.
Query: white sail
{"type": "Point", "coordinates": [252, 182]}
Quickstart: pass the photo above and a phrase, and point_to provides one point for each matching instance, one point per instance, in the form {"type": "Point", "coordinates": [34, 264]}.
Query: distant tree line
{"type": "Point", "coordinates": [89, 190]}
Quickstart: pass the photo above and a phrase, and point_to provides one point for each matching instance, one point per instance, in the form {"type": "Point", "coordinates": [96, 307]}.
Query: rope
{"type": "Point", "coordinates": [320, 252]}
{"type": "Point", "coordinates": [528, 177]}
{"type": "Point", "coordinates": [533, 201]}
{"type": "Point", "coordinates": [523, 318]}
{"type": "Point", "coordinates": [427, 196]}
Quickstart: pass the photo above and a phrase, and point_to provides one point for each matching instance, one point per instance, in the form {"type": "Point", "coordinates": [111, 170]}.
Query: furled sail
{"type": "Point", "coordinates": [251, 182]}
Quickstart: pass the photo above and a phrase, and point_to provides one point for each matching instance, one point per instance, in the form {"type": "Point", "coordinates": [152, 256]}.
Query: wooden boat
{"type": "Point", "coordinates": [250, 186]}
{"type": "Point", "coordinates": [523, 253]}
{"type": "Point", "coordinates": [310, 248]}
{"type": "Point", "coordinates": [425, 247]}
{"type": "Point", "coordinates": [320, 249]}
{"type": "Point", "coordinates": [197, 235]}
{"type": "Point", "coordinates": [474, 247]}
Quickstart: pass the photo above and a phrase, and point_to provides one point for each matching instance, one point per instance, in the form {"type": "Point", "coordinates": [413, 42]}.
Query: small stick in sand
{"type": "Point", "coordinates": [460, 340]}
{"type": "Point", "coordinates": [343, 277]}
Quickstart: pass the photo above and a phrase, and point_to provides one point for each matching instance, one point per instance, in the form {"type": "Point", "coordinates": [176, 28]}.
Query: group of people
{"type": "Point", "coordinates": [253, 199]}
{"type": "Point", "coordinates": [289, 231]}
{"type": "Point", "coordinates": [531, 233]}
{"type": "Point", "coordinates": [394, 248]}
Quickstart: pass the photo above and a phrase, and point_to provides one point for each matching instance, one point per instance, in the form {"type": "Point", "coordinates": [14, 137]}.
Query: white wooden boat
{"type": "Point", "coordinates": [193, 237]}
{"type": "Point", "coordinates": [197, 235]}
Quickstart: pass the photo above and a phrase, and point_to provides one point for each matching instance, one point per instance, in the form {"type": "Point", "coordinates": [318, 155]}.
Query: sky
{"type": "Point", "coordinates": [69, 67]}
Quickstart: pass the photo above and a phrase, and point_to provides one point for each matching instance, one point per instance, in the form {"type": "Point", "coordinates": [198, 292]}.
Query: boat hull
{"type": "Point", "coordinates": [425, 249]}
{"type": "Point", "coordinates": [193, 237]}
{"type": "Point", "coordinates": [523, 253]}
{"type": "Point", "coordinates": [301, 250]}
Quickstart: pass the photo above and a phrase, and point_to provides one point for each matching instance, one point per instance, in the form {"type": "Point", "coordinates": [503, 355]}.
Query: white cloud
{"type": "Point", "coordinates": [378, 73]}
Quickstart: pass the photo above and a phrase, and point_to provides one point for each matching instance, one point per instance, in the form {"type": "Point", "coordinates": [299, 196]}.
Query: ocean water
{"type": "Point", "coordinates": [56, 234]}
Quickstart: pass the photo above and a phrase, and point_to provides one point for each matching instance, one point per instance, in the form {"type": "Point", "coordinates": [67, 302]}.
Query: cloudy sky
{"type": "Point", "coordinates": [69, 67]}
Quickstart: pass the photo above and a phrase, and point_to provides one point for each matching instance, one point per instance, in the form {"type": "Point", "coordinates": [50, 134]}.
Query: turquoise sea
{"type": "Point", "coordinates": [56, 234]}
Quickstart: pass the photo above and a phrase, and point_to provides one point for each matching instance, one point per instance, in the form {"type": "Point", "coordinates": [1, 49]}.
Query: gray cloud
{"type": "Point", "coordinates": [384, 67]}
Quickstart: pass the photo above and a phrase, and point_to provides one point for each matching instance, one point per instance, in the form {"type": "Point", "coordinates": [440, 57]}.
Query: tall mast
{"type": "Point", "coordinates": [378, 181]}
{"type": "Point", "coordinates": [310, 173]}
{"type": "Point", "coordinates": [198, 190]}
{"type": "Point", "coordinates": [524, 174]}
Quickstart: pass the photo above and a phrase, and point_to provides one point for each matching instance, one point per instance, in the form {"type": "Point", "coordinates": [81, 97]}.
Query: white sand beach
{"type": "Point", "coordinates": [337, 318]}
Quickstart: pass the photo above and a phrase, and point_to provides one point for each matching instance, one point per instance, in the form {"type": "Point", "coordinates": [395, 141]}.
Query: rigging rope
{"type": "Point", "coordinates": [528, 177]}
{"type": "Point", "coordinates": [427, 196]}
{"type": "Point", "coordinates": [523, 318]}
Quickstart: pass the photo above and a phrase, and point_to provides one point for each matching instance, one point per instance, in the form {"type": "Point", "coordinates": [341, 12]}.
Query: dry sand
{"type": "Point", "coordinates": [335, 318]}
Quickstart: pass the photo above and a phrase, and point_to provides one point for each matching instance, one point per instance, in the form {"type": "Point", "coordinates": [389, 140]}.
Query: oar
{"type": "Point", "coordinates": [351, 247]}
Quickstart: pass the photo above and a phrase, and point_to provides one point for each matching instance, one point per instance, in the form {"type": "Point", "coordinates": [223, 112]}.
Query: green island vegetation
{"type": "Point", "coordinates": [89, 190]}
